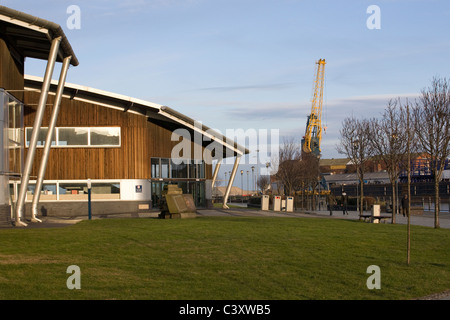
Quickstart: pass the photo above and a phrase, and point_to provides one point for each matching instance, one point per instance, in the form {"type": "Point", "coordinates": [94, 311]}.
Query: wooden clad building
{"type": "Point", "coordinates": [131, 162]}
{"type": "Point", "coordinates": [125, 148]}
{"type": "Point", "coordinates": [140, 140]}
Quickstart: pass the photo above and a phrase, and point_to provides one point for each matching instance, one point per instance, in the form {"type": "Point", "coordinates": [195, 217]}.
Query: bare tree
{"type": "Point", "coordinates": [409, 137]}
{"type": "Point", "coordinates": [309, 174]}
{"type": "Point", "coordinates": [263, 183]}
{"type": "Point", "coordinates": [289, 171]}
{"type": "Point", "coordinates": [431, 117]}
{"type": "Point", "coordinates": [354, 143]}
{"type": "Point", "coordinates": [388, 137]}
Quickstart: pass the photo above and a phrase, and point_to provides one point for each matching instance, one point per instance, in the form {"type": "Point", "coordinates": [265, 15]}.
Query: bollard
{"type": "Point", "coordinates": [89, 185]}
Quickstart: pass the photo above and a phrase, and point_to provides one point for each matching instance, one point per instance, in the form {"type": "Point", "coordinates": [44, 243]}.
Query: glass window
{"type": "Point", "coordinates": [197, 169]}
{"type": "Point", "coordinates": [42, 135]}
{"type": "Point", "coordinates": [78, 136]}
{"type": "Point", "coordinates": [183, 185]}
{"type": "Point", "coordinates": [48, 191]}
{"type": "Point", "coordinates": [105, 136]}
{"type": "Point", "coordinates": [73, 136]}
{"type": "Point", "coordinates": [165, 168]}
{"type": "Point", "coordinates": [11, 192]}
{"type": "Point", "coordinates": [157, 188]}
{"type": "Point", "coordinates": [14, 136]}
{"type": "Point", "coordinates": [201, 170]}
{"type": "Point", "coordinates": [15, 132]}
{"type": "Point", "coordinates": [197, 189]}
{"type": "Point", "coordinates": [193, 169]}
{"type": "Point", "coordinates": [179, 170]}
{"type": "Point", "coordinates": [11, 148]}
{"type": "Point", "coordinates": [15, 113]}
{"type": "Point", "coordinates": [105, 190]}
{"type": "Point", "coordinates": [72, 191]}
{"type": "Point", "coordinates": [155, 168]}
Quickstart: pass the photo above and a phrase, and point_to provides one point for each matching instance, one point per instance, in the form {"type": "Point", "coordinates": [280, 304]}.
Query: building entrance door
{"type": "Point", "coordinates": [197, 189]}
{"type": "Point", "coordinates": [157, 188]}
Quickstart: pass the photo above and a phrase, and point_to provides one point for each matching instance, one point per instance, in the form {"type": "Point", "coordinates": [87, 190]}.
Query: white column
{"type": "Point", "coordinates": [230, 182]}
{"type": "Point", "coordinates": [216, 172]}
{"type": "Point", "coordinates": [34, 135]}
{"type": "Point", "coordinates": [48, 139]}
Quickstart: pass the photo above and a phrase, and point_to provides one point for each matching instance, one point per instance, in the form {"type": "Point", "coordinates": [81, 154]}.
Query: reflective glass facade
{"type": "Point", "coordinates": [188, 174]}
{"type": "Point", "coordinates": [11, 142]}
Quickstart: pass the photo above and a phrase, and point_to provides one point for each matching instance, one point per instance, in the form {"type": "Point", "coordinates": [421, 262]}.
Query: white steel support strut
{"type": "Point", "coordinates": [34, 135]}
{"type": "Point", "coordinates": [230, 182]}
{"type": "Point", "coordinates": [216, 172]}
{"type": "Point", "coordinates": [48, 139]}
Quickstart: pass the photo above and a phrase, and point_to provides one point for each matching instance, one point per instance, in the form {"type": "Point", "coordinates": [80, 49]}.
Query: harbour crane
{"type": "Point", "coordinates": [313, 133]}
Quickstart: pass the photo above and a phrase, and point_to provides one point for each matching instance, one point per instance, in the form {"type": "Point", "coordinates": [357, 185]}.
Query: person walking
{"type": "Point", "coordinates": [405, 205]}
{"type": "Point", "coordinates": [331, 203]}
{"type": "Point", "coordinates": [344, 203]}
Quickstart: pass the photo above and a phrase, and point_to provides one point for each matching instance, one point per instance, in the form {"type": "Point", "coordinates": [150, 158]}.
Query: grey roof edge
{"type": "Point", "coordinates": [55, 28]}
{"type": "Point", "coordinates": [204, 128]}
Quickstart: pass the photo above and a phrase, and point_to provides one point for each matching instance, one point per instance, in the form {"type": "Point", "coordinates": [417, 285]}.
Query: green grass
{"type": "Point", "coordinates": [223, 258]}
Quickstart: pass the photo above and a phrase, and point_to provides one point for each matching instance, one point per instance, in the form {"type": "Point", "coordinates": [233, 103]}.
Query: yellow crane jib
{"type": "Point", "coordinates": [313, 133]}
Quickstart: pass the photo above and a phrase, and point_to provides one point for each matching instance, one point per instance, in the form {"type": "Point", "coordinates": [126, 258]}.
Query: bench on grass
{"type": "Point", "coordinates": [370, 217]}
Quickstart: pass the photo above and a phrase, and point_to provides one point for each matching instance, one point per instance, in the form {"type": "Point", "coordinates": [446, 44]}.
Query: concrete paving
{"type": "Point", "coordinates": [427, 219]}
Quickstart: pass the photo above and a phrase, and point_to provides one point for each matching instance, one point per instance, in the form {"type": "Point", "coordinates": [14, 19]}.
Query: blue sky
{"type": "Point", "coordinates": [250, 63]}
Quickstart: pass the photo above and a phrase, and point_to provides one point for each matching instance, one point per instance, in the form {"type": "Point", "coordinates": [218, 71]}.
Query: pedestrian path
{"type": "Point", "coordinates": [427, 219]}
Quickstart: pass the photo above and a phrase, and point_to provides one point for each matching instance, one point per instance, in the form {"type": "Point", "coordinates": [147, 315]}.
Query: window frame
{"type": "Point", "coordinates": [198, 166]}
{"type": "Point", "coordinates": [55, 142]}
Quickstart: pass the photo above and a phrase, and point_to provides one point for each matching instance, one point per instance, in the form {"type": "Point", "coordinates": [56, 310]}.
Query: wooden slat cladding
{"type": "Point", "coordinates": [11, 71]}
{"type": "Point", "coordinates": [140, 141]}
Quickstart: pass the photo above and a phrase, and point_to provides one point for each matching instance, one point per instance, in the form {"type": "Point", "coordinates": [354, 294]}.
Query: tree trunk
{"type": "Point", "coordinates": [408, 172]}
{"type": "Point", "coordinates": [394, 202]}
{"type": "Point", "coordinates": [436, 202]}
{"type": "Point", "coordinates": [361, 196]}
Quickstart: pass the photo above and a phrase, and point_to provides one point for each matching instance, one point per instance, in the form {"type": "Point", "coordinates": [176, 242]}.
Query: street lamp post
{"type": "Point", "coordinates": [242, 186]}
{"type": "Point", "coordinates": [253, 179]}
{"type": "Point", "coordinates": [248, 187]}
{"type": "Point", "coordinates": [357, 154]}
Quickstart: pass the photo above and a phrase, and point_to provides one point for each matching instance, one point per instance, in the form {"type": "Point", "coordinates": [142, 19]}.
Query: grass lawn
{"type": "Point", "coordinates": [223, 258]}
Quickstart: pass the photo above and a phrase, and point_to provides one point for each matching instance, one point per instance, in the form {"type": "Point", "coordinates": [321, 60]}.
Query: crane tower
{"type": "Point", "coordinates": [313, 133]}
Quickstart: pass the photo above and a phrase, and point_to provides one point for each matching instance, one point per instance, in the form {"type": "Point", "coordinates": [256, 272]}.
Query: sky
{"type": "Point", "coordinates": [250, 64]}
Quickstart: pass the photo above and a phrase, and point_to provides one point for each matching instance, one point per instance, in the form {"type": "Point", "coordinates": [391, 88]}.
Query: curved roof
{"type": "Point", "coordinates": [32, 36]}
{"type": "Point", "coordinates": [155, 113]}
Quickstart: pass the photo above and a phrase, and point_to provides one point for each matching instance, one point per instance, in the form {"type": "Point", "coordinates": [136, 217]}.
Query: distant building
{"type": "Point", "coordinates": [334, 165]}
{"type": "Point", "coordinates": [421, 170]}
{"type": "Point", "coordinates": [352, 178]}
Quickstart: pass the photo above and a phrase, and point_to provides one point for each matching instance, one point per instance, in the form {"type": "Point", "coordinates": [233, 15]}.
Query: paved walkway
{"type": "Point", "coordinates": [427, 219]}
